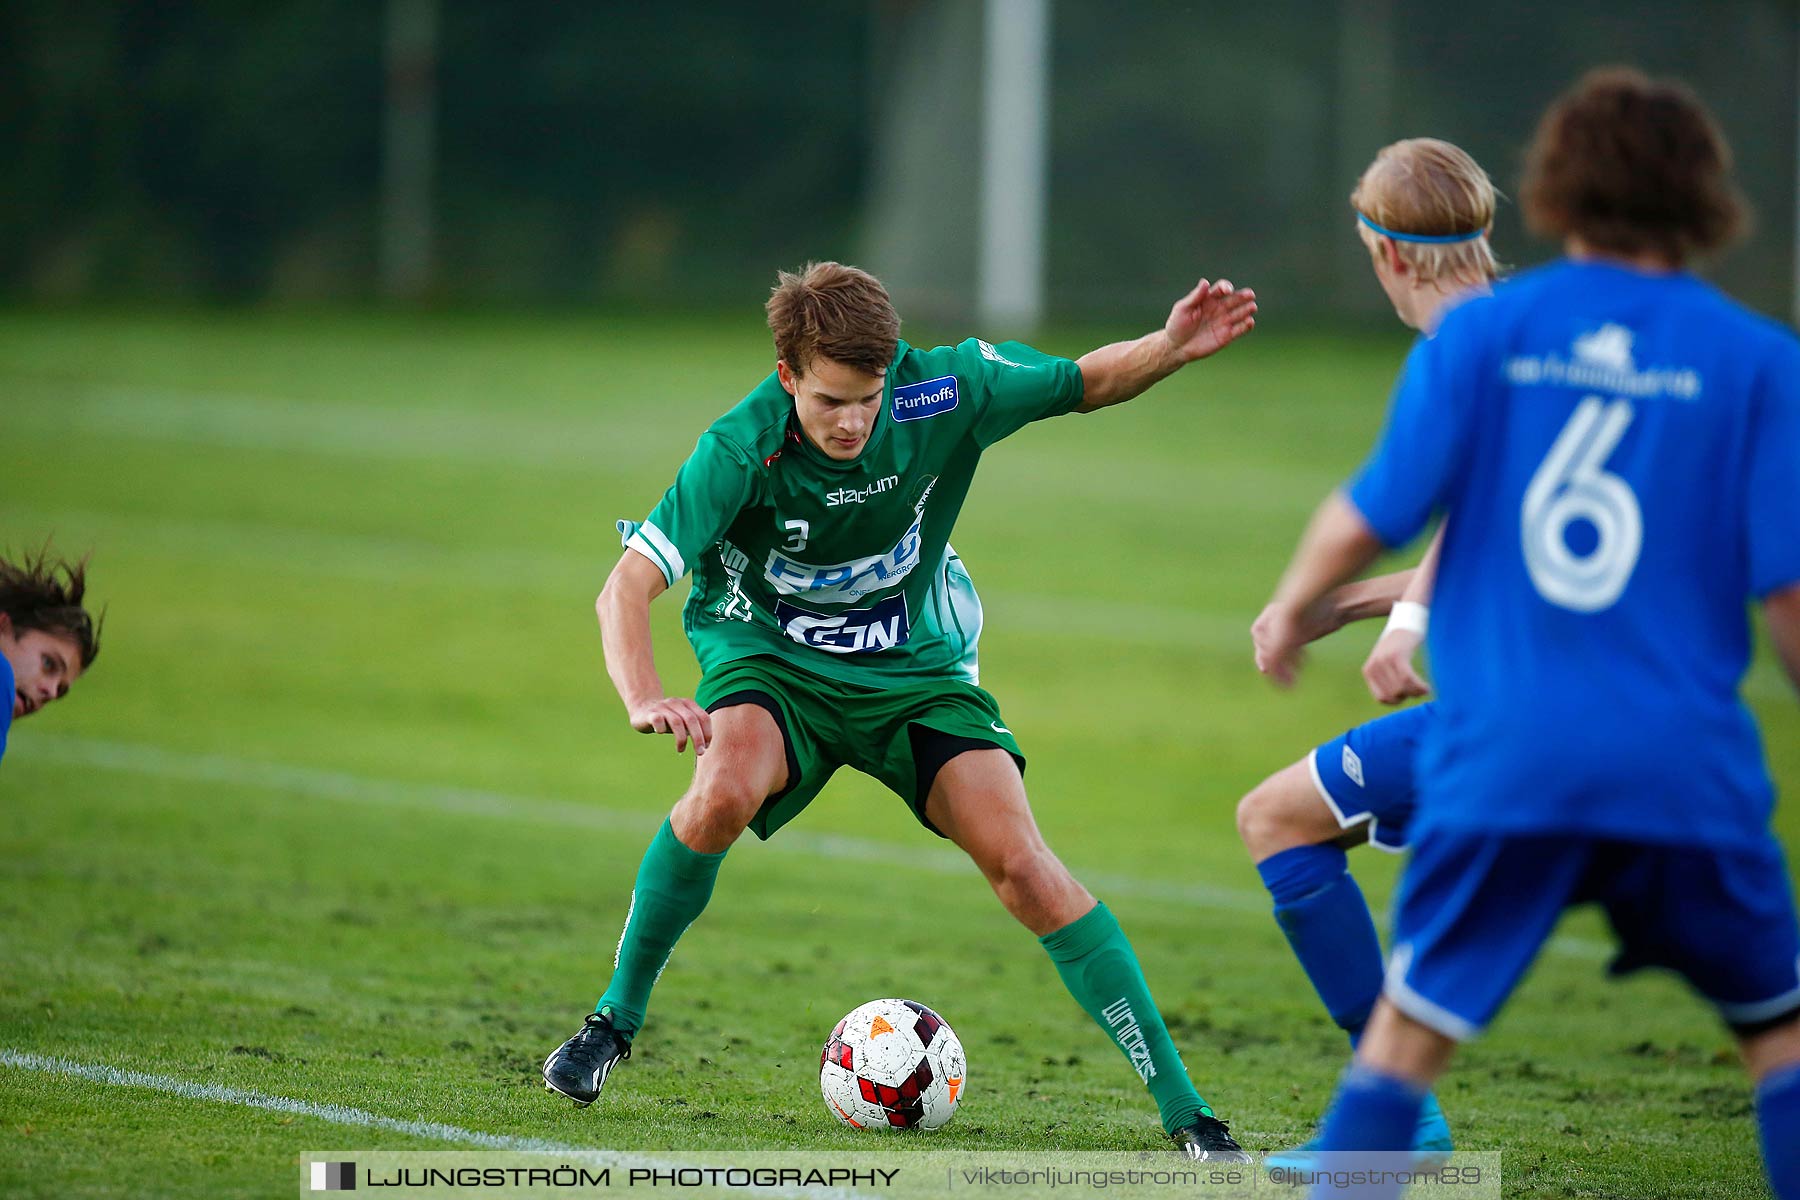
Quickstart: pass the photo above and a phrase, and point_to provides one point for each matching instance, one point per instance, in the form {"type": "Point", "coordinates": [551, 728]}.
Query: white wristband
{"type": "Point", "coordinates": [1408, 615]}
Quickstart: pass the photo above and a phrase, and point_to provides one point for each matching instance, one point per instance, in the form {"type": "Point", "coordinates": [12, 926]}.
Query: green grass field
{"type": "Point", "coordinates": [347, 812]}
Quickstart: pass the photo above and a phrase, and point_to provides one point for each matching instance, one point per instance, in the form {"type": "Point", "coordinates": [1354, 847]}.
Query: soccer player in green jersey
{"type": "Point", "coordinates": [835, 626]}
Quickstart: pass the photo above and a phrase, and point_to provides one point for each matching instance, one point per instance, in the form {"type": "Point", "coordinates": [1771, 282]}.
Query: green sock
{"type": "Point", "coordinates": [673, 886]}
{"type": "Point", "coordinates": [1101, 971]}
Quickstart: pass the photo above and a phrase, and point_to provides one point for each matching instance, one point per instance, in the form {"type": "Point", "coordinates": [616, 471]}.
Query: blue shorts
{"type": "Point", "coordinates": [1367, 775]}
{"type": "Point", "coordinates": [1473, 910]}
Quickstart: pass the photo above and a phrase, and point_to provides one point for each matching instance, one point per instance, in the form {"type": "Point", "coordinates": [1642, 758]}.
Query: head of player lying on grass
{"type": "Point", "coordinates": [46, 638]}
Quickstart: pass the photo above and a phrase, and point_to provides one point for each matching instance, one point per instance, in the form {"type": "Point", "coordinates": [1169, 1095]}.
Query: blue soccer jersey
{"type": "Point", "coordinates": [1621, 453]}
{"type": "Point", "coordinates": [6, 690]}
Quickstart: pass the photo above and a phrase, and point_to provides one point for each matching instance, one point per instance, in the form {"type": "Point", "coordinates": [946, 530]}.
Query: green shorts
{"type": "Point", "coordinates": [901, 735]}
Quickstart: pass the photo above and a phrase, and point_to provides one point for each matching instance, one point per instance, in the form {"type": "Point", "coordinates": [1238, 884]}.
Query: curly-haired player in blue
{"type": "Point", "coordinates": [1616, 445]}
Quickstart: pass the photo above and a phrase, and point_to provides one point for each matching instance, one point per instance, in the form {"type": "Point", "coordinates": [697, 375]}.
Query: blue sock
{"type": "Point", "coordinates": [1778, 1118]}
{"type": "Point", "coordinates": [1372, 1112]}
{"type": "Point", "coordinates": [1327, 922]}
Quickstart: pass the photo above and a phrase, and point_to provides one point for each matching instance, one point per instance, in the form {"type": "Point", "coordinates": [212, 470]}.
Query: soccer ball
{"type": "Point", "coordinates": [892, 1064]}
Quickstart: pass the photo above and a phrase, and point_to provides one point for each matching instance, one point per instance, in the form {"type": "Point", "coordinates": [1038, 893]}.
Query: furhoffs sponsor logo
{"type": "Point", "coordinates": [333, 1177]}
{"type": "Point", "coordinates": [916, 401]}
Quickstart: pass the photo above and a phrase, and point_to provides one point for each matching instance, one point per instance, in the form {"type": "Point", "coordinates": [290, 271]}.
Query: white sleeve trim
{"type": "Point", "coordinates": [655, 545]}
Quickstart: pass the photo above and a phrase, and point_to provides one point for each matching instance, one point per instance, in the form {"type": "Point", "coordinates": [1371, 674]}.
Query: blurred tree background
{"type": "Point", "coordinates": [676, 154]}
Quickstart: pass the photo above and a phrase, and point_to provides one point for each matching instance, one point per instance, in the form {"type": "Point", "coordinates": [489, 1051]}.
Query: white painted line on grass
{"type": "Point", "coordinates": [337, 1114]}
{"type": "Point", "coordinates": [358, 789]}
{"type": "Point", "coordinates": [340, 1114]}
{"type": "Point", "coordinates": [158, 763]}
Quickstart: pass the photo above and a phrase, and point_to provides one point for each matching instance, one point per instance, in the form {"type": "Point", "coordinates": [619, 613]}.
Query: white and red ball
{"type": "Point", "coordinates": [892, 1064]}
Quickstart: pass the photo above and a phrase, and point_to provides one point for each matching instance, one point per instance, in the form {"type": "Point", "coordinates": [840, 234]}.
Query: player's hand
{"type": "Point", "coordinates": [1390, 673]}
{"type": "Point", "coordinates": [683, 718]}
{"type": "Point", "coordinates": [1279, 637]}
{"type": "Point", "coordinates": [1210, 318]}
{"type": "Point", "coordinates": [1312, 627]}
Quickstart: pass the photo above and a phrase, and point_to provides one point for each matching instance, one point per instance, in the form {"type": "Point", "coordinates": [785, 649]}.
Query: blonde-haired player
{"type": "Point", "coordinates": [1424, 209]}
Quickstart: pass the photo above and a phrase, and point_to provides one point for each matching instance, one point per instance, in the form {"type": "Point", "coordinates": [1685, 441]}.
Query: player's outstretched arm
{"type": "Point", "coordinates": [1782, 611]}
{"type": "Point", "coordinates": [1336, 545]}
{"type": "Point", "coordinates": [624, 610]}
{"type": "Point", "coordinates": [1203, 322]}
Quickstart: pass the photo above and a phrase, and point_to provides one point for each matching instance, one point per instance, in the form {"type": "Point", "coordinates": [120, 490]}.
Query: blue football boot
{"type": "Point", "coordinates": [1431, 1146]}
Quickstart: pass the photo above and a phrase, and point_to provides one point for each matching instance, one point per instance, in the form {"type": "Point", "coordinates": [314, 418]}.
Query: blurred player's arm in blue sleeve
{"type": "Point", "coordinates": [1386, 506]}
{"type": "Point", "coordinates": [1203, 322]}
{"type": "Point", "coordinates": [1774, 506]}
{"type": "Point", "coordinates": [1782, 611]}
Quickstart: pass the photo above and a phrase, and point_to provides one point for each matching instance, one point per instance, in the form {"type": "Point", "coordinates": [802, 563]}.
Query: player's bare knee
{"type": "Point", "coordinates": [1259, 822]}
{"type": "Point", "coordinates": [715, 811]}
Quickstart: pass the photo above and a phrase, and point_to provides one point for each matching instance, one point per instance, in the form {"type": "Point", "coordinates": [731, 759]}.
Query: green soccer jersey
{"type": "Point", "coordinates": [845, 568]}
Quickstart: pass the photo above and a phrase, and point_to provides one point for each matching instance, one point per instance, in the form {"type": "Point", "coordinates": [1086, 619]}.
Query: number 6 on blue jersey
{"type": "Point", "coordinates": [1571, 486]}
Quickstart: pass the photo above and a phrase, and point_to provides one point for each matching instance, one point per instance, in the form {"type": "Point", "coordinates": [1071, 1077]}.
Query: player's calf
{"type": "Point", "coordinates": [1035, 887]}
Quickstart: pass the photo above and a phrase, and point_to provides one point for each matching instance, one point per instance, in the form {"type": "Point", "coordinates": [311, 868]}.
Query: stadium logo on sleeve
{"type": "Point", "coordinates": [916, 401]}
{"type": "Point", "coordinates": [859, 631]}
